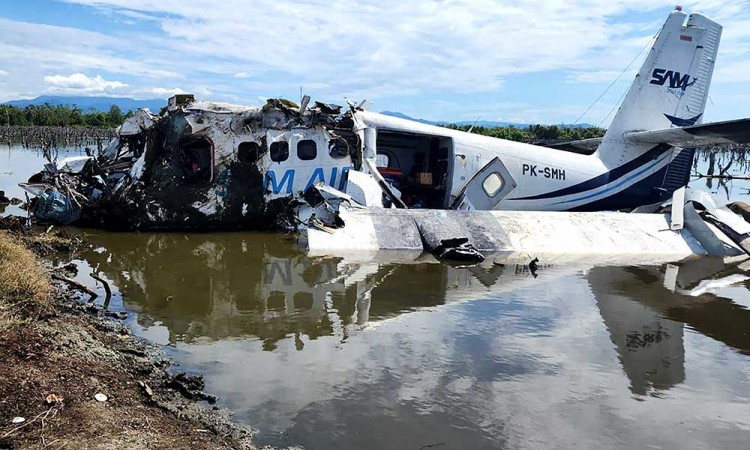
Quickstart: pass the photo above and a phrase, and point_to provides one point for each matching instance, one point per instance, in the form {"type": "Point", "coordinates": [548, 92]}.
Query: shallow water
{"type": "Point", "coordinates": [335, 354]}
{"type": "Point", "coordinates": [339, 354]}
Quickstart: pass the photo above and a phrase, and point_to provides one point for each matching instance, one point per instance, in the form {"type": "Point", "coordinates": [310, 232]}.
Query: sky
{"type": "Point", "coordinates": [528, 61]}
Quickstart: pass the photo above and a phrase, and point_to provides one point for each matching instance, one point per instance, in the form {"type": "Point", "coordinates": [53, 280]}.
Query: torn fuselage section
{"type": "Point", "coordinates": [202, 165]}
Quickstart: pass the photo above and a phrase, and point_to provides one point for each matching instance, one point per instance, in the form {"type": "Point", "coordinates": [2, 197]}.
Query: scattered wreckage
{"type": "Point", "coordinates": [199, 165]}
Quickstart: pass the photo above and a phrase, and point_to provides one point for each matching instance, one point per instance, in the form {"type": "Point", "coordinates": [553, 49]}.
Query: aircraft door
{"type": "Point", "coordinates": [486, 188]}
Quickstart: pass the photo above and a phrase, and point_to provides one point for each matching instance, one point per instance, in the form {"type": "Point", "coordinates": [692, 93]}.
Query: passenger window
{"type": "Point", "coordinates": [248, 152]}
{"type": "Point", "coordinates": [307, 150]}
{"type": "Point", "coordinates": [196, 159]}
{"type": "Point", "coordinates": [338, 148]}
{"type": "Point", "coordinates": [492, 184]}
{"type": "Point", "coordinates": [279, 151]}
{"type": "Point", "coordinates": [382, 160]}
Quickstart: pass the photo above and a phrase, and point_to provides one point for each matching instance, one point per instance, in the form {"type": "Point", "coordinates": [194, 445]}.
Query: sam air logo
{"type": "Point", "coordinates": [676, 80]}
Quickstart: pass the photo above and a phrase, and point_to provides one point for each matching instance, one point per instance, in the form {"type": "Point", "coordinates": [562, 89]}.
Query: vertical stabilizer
{"type": "Point", "coordinates": [672, 86]}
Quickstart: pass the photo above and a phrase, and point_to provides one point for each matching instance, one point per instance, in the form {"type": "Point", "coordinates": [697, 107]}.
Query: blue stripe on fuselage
{"type": "Point", "coordinates": [615, 186]}
{"type": "Point", "coordinates": [604, 178]}
{"type": "Point", "coordinates": [644, 192]}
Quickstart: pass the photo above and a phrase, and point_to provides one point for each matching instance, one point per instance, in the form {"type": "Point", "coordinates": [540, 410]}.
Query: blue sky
{"type": "Point", "coordinates": [532, 61]}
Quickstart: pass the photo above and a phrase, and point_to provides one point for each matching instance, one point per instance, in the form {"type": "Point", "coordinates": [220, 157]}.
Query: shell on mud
{"type": "Point", "coordinates": [17, 420]}
{"type": "Point", "coordinates": [100, 397]}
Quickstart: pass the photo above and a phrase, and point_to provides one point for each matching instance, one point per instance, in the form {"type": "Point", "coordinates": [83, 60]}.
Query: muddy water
{"type": "Point", "coordinates": [335, 354]}
{"type": "Point", "coordinates": [341, 354]}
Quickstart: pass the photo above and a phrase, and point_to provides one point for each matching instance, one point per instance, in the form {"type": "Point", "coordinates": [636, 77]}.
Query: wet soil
{"type": "Point", "coordinates": [65, 353]}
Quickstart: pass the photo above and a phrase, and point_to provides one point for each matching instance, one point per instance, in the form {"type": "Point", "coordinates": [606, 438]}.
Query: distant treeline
{"type": "Point", "coordinates": [48, 115]}
{"type": "Point", "coordinates": [535, 133]}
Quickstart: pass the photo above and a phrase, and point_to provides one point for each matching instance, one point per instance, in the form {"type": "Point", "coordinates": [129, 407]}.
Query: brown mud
{"type": "Point", "coordinates": [59, 354]}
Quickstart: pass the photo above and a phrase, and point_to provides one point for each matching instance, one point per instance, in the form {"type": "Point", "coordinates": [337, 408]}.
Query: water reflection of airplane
{"type": "Point", "coordinates": [235, 284]}
{"type": "Point", "coordinates": [645, 310]}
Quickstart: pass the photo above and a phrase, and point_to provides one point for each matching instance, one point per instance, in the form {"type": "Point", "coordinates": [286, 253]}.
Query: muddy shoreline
{"type": "Point", "coordinates": [63, 355]}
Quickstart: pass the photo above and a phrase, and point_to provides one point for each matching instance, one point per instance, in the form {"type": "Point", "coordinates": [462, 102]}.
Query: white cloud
{"type": "Point", "coordinates": [376, 50]}
{"type": "Point", "coordinates": [391, 46]}
{"type": "Point", "coordinates": [3, 72]}
{"type": "Point", "coordinates": [81, 83]}
{"type": "Point", "coordinates": [166, 91]}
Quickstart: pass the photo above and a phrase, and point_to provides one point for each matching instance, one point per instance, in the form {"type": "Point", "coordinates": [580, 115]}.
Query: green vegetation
{"type": "Point", "coordinates": [535, 133]}
{"type": "Point", "coordinates": [72, 116]}
{"type": "Point", "coordinates": [61, 116]}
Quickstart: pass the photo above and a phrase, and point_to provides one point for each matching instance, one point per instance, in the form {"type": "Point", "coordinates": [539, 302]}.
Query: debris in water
{"type": "Point", "coordinates": [534, 267]}
{"type": "Point", "coordinates": [70, 267]}
{"type": "Point", "coordinates": [191, 387]}
{"type": "Point", "coordinates": [75, 285]}
{"type": "Point", "coordinates": [107, 289]}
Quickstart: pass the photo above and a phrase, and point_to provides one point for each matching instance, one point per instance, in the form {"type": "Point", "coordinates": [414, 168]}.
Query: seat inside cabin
{"type": "Point", "coordinates": [417, 165]}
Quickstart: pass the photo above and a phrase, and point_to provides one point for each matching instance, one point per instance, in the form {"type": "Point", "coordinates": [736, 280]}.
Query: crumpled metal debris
{"type": "Point", "coordinates": [319, 206]}
{"type": "Point", "coordinates": [64, 189]}
{"type": "Point", "coordinates": [197, 165]}
{"type": "Point", "coordinates": [52, 206]}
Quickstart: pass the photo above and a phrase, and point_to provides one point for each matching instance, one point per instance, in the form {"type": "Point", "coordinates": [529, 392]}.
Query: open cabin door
{"type": "Point", "coordinates": [486, 188]}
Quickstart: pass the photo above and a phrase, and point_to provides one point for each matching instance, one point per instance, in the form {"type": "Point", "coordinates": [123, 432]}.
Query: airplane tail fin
{"type": "Point", "coordinates": [672, 86]}
{"type": "Point", "coordinates": [667, 96]}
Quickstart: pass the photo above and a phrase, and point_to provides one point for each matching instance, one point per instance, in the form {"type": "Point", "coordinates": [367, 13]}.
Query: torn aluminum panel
{"type": "Point", "coordinates": [205, 165]}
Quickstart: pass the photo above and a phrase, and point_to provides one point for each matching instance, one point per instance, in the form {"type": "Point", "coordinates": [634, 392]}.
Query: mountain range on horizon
{"type": "Point", "coordinates": [103, 104]}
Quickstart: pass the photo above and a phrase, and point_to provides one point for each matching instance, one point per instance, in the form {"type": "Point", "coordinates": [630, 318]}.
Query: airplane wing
{"type": "Point", "coordinates": [705, 135]}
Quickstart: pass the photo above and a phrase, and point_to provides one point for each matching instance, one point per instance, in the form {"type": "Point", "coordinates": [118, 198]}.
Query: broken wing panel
{"type": "Point", "coordinates": [706, 135]}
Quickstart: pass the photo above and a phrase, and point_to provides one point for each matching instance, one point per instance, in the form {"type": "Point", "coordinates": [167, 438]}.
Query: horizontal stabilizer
{"type": "Point", "coordinates": [705, 135]}
{"type": "Point", "coordinates": [584, 146]}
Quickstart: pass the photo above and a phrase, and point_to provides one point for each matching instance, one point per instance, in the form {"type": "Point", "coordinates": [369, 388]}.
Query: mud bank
{"type": "Point", "coordinates": [74, 377]}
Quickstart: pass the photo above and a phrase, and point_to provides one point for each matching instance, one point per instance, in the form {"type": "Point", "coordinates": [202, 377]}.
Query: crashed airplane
{"type": "Point", "coordinates": [206, 165]}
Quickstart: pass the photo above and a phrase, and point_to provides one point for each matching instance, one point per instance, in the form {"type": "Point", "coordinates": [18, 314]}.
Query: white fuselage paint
{"type": "Point", "coordinates": [294, 174]}
{"type": "Point", "coordinates": [536, 170]}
